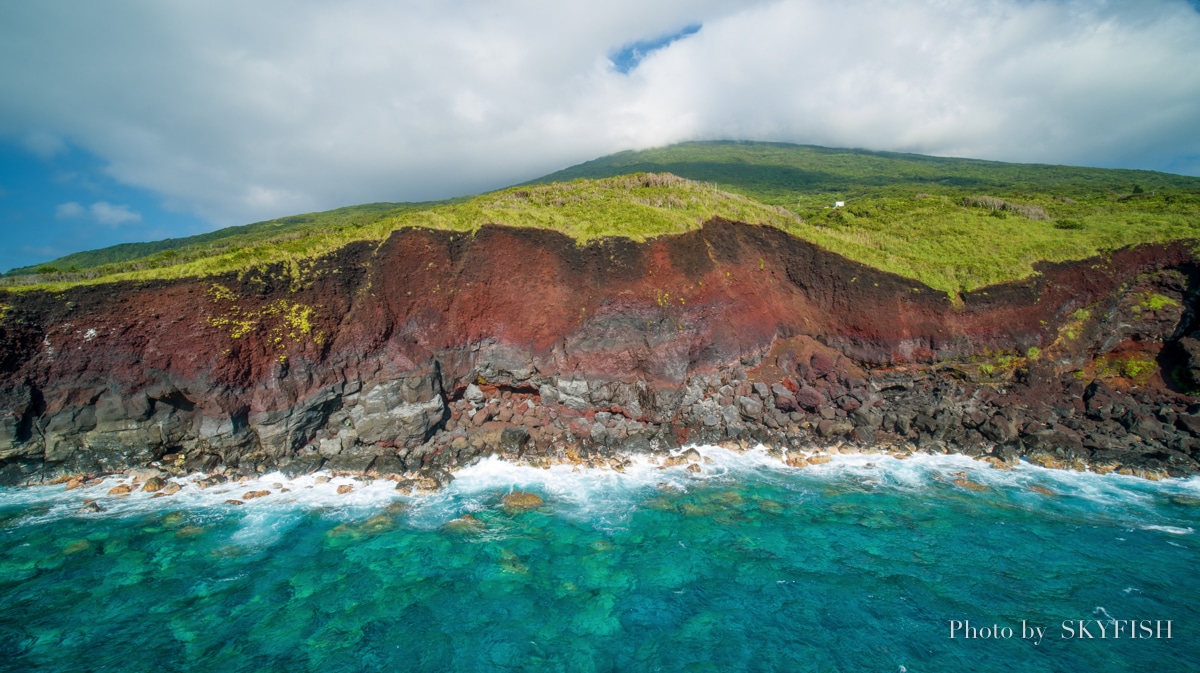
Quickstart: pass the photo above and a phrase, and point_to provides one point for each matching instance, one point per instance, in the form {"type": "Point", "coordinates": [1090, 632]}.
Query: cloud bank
{"type": "Point", "coordinates": [243, 111]}
{"type": "Point", "coordinates": [101, 211]}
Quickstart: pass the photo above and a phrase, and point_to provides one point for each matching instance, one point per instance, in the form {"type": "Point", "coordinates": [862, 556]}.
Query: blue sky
{"type": "Point", "coordinates": [128, 120]}
{"type": "Point", "coordinates": [53, 203]}
{"type": "Point", "coordinates": [629, 56]}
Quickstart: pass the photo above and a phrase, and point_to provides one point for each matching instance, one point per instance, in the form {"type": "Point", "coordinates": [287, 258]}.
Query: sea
{"type": "Point", "coordinates": [865, 563]}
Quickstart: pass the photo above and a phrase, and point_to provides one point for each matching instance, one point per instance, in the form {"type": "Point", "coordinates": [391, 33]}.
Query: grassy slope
{"type": "Point", "coordinates": [178, 250]}
{"type": "Point", "coordinates": [905, 213]}
{"type": "Point", "coordinates": [636, 207]}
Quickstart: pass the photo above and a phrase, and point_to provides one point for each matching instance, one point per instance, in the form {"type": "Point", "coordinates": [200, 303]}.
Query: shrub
{"type": "Point", "coordinates": [997, 205]}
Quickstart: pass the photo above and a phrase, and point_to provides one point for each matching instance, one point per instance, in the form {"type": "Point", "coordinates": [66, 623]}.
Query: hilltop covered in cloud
{"type": "Point", "coordinates": [239, 112]}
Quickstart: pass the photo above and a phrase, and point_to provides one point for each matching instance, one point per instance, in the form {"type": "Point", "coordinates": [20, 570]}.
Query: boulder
{"type": "Point", "coordinates": [350, 464]}
{"type": "Point", "coordinates": [386, 465]}
{"type": "Point", "coordinates": [388, 413]}
{"type": "Point", "coordinates": [520, 501]}
{"type": "Point", "coordinates": [154, 484]}
{"type": "Point", "coordinates": [514, 439]}
{"type": "Point", "coordinates": [301, 465]}
{"type": "Point", "coordinates": [750, 408]}
{"type": "Point", "coordinates": [809, 398]}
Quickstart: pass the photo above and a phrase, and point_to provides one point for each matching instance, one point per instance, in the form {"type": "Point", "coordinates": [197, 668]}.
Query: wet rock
{"type": "Point", "coordinates": [171, 488]}
{"type": "Point", "coordinates": [386, 466]}
{"type": "Point", "coordinates": [796, 460]}
{"type": "Point", "coordinates": [970, 485]}
{"type": "Point", "coordinates": [520, 501]}
{"type": "Point", "coordinates": [120, 489]}
{"type": "Point", "coordinates": [829, 428]}
{"type": "Point", "coordinates": [302, 465]}
{"type": "Point", "coordinates": [251, 495]}
{"type": "Point", "coordinates": [214, 480]}
{"type": "Point", "coordinates": [201, 463]}
{"type": "Point", "coordinates": [514, 439]}
{"type": "Point", "coordinates": [74, 483]}
{"type": "Point", "coordinates": [91, 506]}
{"type": "Point", "coordinates": [235, 503]}
{"type": "Point", "coordinates": [1057, 443]}
{"type": "Point", "coordinates": [465, 524]}
{"type": "Point", "coordinates": [146, 473]}
{"type": "Point", "coordinates": [862, 435]}
{"type": "Point", "coordinates": [691, 455]}
{"type": "Point", "coordinates": [350, 463]}
{"type": "Point", "coordinates": [154, 484]}
{"type": "Point", "coordinates": [999, 429]}
{"type": "Point", "coordinates": [344, 489]}
{"type": "Point", "coordinates": [432, 482]}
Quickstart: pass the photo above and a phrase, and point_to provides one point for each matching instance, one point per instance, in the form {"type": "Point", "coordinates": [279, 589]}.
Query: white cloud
{"type": "Point", "coordinates": [69, 211]}
{"type": "Point", "coordinates": [45, 145]}
{"type": "Point", "coordinates": [107, 213]}
{"type": "Point", "coordinates": [243, 111]}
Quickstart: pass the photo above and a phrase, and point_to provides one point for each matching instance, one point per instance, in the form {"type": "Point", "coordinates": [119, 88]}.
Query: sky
{"type": "Point", "coordinates": [134, 120]}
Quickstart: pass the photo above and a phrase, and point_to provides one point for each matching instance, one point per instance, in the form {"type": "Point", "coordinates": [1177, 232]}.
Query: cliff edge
{"type": "Point", "coordinates": [433, 348]}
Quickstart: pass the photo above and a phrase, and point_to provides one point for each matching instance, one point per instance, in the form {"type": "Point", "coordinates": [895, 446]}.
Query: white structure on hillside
{"type": "Point", "coordinates": [839, 204]}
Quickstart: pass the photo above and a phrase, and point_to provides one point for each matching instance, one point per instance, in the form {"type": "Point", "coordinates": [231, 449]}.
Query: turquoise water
{"type": "Point", "coordinates": [857, 565]}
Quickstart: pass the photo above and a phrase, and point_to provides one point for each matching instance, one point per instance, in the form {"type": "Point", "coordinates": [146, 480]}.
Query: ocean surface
{"type": "Point", "coordinates": [866, 563]}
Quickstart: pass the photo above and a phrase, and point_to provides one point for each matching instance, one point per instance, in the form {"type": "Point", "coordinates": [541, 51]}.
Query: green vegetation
{"type": "Point", "coordinates": [954, 224]}
{"type": "Point", "coordinates": [1154, 301]}
{"type": "Point", "coordinates": [637, 207]}
{"type": "Point", "coordinates": [1137, 367]}
{"type": "Point", "coordinates": [287, 321]}
{"type": "Point", "coordinates": [179, 250]}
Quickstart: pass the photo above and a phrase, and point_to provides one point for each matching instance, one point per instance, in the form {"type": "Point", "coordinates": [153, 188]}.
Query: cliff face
{"type": "Point", "coordinates": [432, 348]}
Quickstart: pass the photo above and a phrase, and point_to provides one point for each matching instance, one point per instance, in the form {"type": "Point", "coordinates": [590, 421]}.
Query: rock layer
{"type": "Point", "coordinates": [432, 348]}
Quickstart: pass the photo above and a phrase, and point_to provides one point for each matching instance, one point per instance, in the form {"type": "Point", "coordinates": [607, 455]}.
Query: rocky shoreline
{"type": "Point", "coordinates": [801, 422]}
{"type": "Point", "coordinates": [427, 353]}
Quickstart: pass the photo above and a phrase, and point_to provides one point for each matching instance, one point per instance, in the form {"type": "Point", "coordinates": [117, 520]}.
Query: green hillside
{"type": "Point", "coordinates": [637, 206]}
{"type": "Point", "coordinates": [799, 175]}
{"type": "Point", "coordinates": [177, 250]}
{"type": "Point", "coordinates": [955, 224]}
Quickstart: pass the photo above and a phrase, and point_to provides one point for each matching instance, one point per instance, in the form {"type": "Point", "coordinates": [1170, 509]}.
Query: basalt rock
{"type": "Point", "coordinates": [434, 349]}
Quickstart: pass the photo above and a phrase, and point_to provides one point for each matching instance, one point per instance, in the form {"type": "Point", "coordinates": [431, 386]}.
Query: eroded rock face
{"type": "Point", "coordinates": [434, 349]}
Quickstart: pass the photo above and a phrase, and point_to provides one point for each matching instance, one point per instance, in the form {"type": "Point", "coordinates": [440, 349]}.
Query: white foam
{"type": "Point", "coordinates": [48, 502]}
{"type": "Point", "coordinates": [1173, 530]}
{"type": "Point", "coordinates": [604, 496]}
{"type": "Point", "coordinates": [607, 497]}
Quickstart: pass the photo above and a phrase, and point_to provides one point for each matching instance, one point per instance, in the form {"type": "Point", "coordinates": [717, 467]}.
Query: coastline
{"type": "Point", "coordinates": [428, 353]}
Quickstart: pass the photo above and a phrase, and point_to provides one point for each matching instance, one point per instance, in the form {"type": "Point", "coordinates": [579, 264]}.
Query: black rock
{"type": "Point", "coordinates": [301, 465]}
